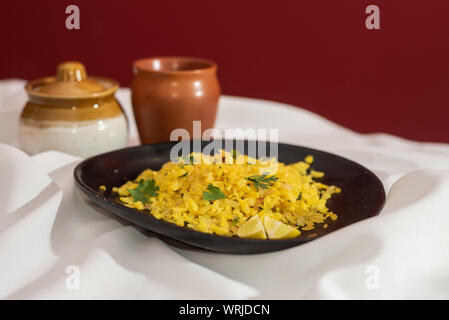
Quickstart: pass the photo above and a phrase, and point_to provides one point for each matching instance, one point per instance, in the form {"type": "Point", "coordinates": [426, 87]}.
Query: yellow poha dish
{"type": "Point", "coordinates": [249, 198]}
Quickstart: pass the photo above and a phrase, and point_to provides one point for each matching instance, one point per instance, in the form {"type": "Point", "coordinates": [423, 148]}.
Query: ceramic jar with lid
{"type": "Point", "coordinates": [72, 113]}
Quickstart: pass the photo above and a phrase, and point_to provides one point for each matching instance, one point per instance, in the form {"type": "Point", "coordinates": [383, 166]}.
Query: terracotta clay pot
{"type": "Point", "coordinates": [170, 93]}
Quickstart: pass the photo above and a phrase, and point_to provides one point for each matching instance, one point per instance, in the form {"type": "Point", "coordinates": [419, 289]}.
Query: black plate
{"type": "Point", "coordinates": [362, 196]}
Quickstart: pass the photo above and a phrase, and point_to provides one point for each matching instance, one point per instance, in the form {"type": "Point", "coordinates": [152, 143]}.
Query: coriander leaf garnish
{"type": "Point", "coordinates": [235, 221]}
{"type": "Point", "coordinates": [213, 193]}
{"type": "Point", "coordinates": [144, 190]}
{"type": "Point", "coordinates": [299, 196]}
{"type": "Point", "coordinates": [263, 181]}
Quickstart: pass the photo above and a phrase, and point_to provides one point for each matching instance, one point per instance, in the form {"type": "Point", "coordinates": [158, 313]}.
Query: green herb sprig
{"type": "Point", "coordinates": [213, 193]}
{"type": "Point", "coordinates": [263, 181]}
{"type": "Point", "coordinates": [144, 190]}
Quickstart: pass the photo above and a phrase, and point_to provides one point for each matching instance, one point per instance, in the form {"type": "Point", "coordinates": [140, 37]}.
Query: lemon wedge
{"type": "Point", "coordinates": [253, 229]}
{"type": "Point", "coordinates": [278, 230]}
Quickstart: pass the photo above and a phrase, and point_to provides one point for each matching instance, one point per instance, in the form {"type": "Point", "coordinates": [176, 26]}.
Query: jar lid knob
{"type": "Point", "coordinates": [71, 71]}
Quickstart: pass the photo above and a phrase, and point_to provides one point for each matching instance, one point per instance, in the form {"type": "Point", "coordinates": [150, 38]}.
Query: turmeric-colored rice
{"type": "Point", "coordinates": [296, 198]}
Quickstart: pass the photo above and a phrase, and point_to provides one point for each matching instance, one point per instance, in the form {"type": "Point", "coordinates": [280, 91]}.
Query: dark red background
{"type": "Point", "coordinates": [313, 54]}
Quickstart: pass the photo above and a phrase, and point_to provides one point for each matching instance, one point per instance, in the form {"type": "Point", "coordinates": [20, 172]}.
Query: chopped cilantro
{"type": "Point", "coordinates": [144, 190]}
{"type": "Point", "coordinates": [263, 181]}
{"type": "Point", "coordinates": [213, 193]}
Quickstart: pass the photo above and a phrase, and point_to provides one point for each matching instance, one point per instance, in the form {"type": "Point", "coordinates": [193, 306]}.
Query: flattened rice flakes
{"type": "Point", "coordinates": [294, 198]}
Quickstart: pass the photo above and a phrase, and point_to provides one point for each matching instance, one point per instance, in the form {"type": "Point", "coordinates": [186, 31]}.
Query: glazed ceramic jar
{"type": "Point", "coordinates": [170, 93]}
{"type": "Point", "coordinates": [72, 113]}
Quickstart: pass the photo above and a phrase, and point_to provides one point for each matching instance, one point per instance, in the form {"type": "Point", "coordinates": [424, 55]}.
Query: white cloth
{"type": "Point", "coordinates": [46, 230]}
